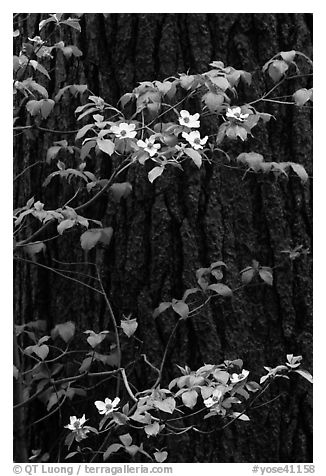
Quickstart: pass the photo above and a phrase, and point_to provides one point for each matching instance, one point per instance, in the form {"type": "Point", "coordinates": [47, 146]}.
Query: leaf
{"type": "Point", "coordinates": [95, 339]}
{"type": "Point", "coordinates": [247, 276]}
{"type": "Point", "coordinates": [111, 449]}
{"type": "Point", "coordinates": [126, 98]}
{"type": "Point", "coordinates": [241, 391]}
{"type": "Point", "coordinates": [90, 238]}
{"type": "Point", "coordinates": [186, 81]}
{"type": "Point", "coordinates": [52, 401]}
{"type": "Point", "coordinates": [106, 146]}
{"type": "Point", "coordinates": [52, 152]}
{"type": "Point", "coordinates": [120, 190]}
{"type": "Point", "coordinates": [46, 107]}
{"type": "Point", "coordinates": [227, 403]}
{"type": "Point", "coordinates": [66, 331]}
{"type": "Point", "coordinates": [206, 392]}
{"type": "Point", "coordinates": [221, 82]}
{"type": "Point", "coordinates": [253, 386]}
{"type": "Point", "coordinates": [217, 264]}
{"type": "Point", "coordinates": [221, 376]}
{"type": "Point", "coordinates": [252, 159]}
{"type": "Point", "coordinates": [33, 107]}
{"type": "Point", "coordinates": [301, 96]}
{"type": "Point", "coordinates": [300, 171]}
{"type": "Point", "coordinates": [71, 50]}
{"type": "Point", "coordinates": [83, 131]}
{"type": "Point", "coordinates": [153, 429]}
{"type": "Point", "coordinates": [195, 156]}
{"type": "Point", "coordinates": [34, 86]}
{"type": "Point", "coordinates": [188, 292]}
{"type": "Point", "coordinates": [72, 22]}
{"type": "Point", "coordinates": [34, 248]}
{"type": "Point", "coordinates": [154, 173]}
{"type": "Point", "coordinates": [305, 374]}
{"type": "Point", "coordinates": [213, 101]}
{"type": "Point", "coordinates": [160, 456]}
{"type": "Point", "coordinates": [85, 365]}
{"type": "Point", "coordinates": [41, 351]}
{"type": "Point", "coordinates": [145, 419]}
{"type": "Point", "coordinates": [266, 275]}
{"type": "Point", "coordinates": [70, 455]}
{"type": "Point", "coordinates": [106, 235]}
{"type": "Point", "coordinates": [132, 450]}
{"type": "Point", "coordinates": [15, 372]}
{"type": "Point", "coordinates": [89, 111]}
{"type": "Point", "coordinates": [86, 149]}
{"type": "Point", "coordinates": [45, 22]}
{"type": "Point", "coordinates": [233, 131]}
{"type": "Point", "coordinates": [246, 77]}
{"type": "Point", "coordinates": [119, 418]}
{"type": "Point", "coordinates": [189, 398]}
{"type": "Point", "coordinates": [126, 439]}
{"type": "Point", "coordinates": [181, 308]}
{"type": "Point", "coordinates": [161, 308]}
{"type": "Point", "coordinates": [42, 70]}
{"type": "Point", "coordinates": [167, 405]}
{"type": "Point", "coordinates": [129, 326]}
{"type": "Point", "coordinates": [238, 416]}
{"type": "Point", "coordinates": [288, 56]}
{"type": "Point", "coordinates": [221, 289]}
{"type": "Point", "coordinates": [276, 69]}
{"type": "Point", "coordinates": [65, 225]}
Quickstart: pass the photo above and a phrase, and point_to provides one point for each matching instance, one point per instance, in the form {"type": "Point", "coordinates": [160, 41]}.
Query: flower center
{"type": "Point", "coordinates": [109, 406]}
{"type": "Point", "coordinates": [186, 119]}
{"type": "Point", "coordinates": [77, 425]}
{"type": "Point", "coordinates": [197, 141]}
{"type": "Point", "coordinates": [123, 132]}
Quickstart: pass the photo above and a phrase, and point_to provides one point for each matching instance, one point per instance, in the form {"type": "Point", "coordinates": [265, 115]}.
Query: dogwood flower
{"type": "Point", "coordinates": [194, 139]}
{"type": "Point", "coordinates": [76, 426]}
{"type": "Point", "coordinates": [215, 402]}
{"type": "Point", "coordinates": [188, 120]}
{"type": "Point", "coordinates": [149, 145]}
{"type": "Point", "coordinates": [124, 130]}
{"type": "Point", "coordinates": [235, 113]}
{"type": "Point", "coordinates": [108, 406]}
{"type": "Point", "coordinates": [235, 378]}
{"type": "Point", "coordinates": [76, 423]}
{"type": "Point", "coordinates": [37, 39]}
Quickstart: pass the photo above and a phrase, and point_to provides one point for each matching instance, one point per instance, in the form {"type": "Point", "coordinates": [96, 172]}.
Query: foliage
{"type": "Point", "coordinates": [153, 131]}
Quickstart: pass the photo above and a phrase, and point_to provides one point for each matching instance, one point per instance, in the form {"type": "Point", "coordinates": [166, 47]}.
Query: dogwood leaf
{"type": "Point", "coordinates": [154, 173]}
{"type": "Point", "coordinates": [181, 308]}
{"type": "Point", "coordinates": [160, 456]}
{"type": "Point", "coordinates": [195, 156]}
{"type": "Point", "coordinates": [221, 289]}
{"type": "Point", "coordinates": [129, 326]}
{"type": "Point", "coordinates": [90, 238]}
{"type": "Point", "coordinates": [66, 331]}
{"type": "Point", "coordinates": [266, 275]}
{"type": "Point", "coordinates": [189, 398]}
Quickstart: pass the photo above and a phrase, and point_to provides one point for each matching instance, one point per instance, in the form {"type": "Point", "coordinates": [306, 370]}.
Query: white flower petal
{"type": "Point", "coordinates": [82, 420]}
{"type": "Point", "coordinates": [116, 401]}
{"type": "Point", "coordinates": [100, 405]}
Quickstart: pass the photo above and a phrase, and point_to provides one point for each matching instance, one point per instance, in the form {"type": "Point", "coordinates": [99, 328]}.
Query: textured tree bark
{"type": "Point", "coordinates": [164, 232]}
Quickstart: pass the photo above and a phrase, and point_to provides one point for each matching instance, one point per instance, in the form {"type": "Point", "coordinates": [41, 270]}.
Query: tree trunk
{"type": "Point", "coordinates": [165, 231]}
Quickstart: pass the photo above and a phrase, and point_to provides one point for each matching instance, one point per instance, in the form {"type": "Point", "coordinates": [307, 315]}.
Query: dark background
{"type": "Point", "coordinates": [165, 231]}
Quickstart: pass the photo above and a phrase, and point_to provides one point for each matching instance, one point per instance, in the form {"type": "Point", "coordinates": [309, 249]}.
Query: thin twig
{"type": "Point", "coordinates": [56, 272]}
{"type": "Point", "coordinates": [115, 326]}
